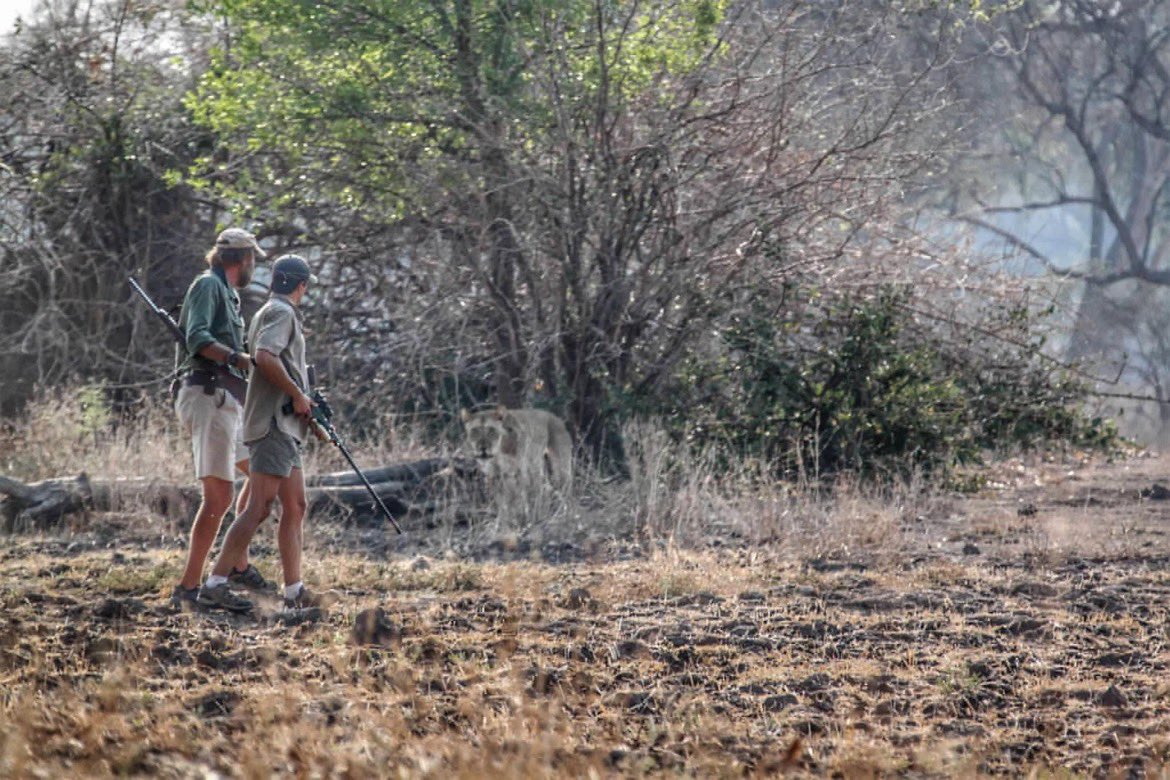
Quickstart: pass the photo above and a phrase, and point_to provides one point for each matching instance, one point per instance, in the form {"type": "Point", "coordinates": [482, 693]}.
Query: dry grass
{"type": "Point", "coordinates": [692, 622]}
{"type": "Point", "coordinates": [706, 664]}
{"type": "Point", "coordinates": [63, 433]}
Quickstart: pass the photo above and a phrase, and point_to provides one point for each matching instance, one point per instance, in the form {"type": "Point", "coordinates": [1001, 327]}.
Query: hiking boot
{"type": "Point", "coordinates": [305, 600]}
{"type": "Point", "coordinates": [222, 597]}
{"type": "Point", "coordinates": [184, 599]}
{"type": "Point", "coordinates": [252, 579]}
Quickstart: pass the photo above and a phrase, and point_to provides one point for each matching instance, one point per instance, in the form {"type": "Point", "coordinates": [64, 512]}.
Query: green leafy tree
{"type": "Point", "coordinates": [570, 194]}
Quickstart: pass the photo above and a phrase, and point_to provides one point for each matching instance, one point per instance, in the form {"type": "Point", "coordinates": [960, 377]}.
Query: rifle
{"type": "Point", "coordinates": [167, 319]}
{"type": "Point", "coordinates": [216, 377]}
{"type": "Point", "coordinates": [321, 423]}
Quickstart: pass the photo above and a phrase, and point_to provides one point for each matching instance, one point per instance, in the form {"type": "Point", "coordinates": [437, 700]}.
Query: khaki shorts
{"type": "Point", "coordinates": [215, 424]}
{"type": "Point", "coordinates": [276, 453]}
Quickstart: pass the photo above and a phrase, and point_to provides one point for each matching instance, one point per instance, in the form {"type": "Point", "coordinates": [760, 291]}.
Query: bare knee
{"type": "Point", "coordinates": [296, 507]}
{"type": "Point", "coordinates": [217, 496]}
{"type": "Point", "coordinates": [258, 510]}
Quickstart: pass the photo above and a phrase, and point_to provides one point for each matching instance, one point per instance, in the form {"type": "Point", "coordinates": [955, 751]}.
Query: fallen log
{"type": "Point", "coordinates": [409, 473]}
{"type": "Point", "coordinates": [418, 487]}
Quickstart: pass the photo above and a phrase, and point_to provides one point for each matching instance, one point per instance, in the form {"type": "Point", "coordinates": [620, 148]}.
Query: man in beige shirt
{"type": "Point", "coordinates": [274, 439]}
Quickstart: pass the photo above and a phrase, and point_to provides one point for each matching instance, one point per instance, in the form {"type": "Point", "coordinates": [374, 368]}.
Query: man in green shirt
{"type": "Point", "coordinates": [275, 436]}
{"type": "Point", "coordinates": [214, 368]}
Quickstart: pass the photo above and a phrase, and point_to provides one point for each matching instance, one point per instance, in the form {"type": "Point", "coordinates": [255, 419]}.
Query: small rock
{"type": "Point", "coordinates": [374, 627]}
{"type": "Point", "coordinates": [296, 617]}
{"type": "Point", "coordinates": [970, 548]}
{"type": "Point", "coordinates": [1112, 697]}
{"type": "Point", "coordinates": [814, 682]}
{"type": "Point", "coordinates": [118, 609]}
{"type": "Point", "coordinates": [216, 704]}
{"type": "Point", "coordinates": [420, 564]}
{"type": "Point", "coordinates": [779, 702]}
{"type": "Point", "coordinates": [629, 649]}
{"type": "Point", "coordinates": [207, 659]}
{"type": "Point", "coordinates": [1156, 492]}
{"type": "Point", "coordinates": [578, 598]}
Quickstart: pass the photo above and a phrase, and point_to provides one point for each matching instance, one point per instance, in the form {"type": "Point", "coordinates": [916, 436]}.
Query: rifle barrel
{"type": "Point", "coordinates": [333, 437]}
{"type": "Point", "coordinates": [169, 321]}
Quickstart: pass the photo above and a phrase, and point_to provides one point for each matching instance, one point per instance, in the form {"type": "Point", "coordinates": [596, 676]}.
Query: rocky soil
{"type": "Point", "coordinates": [1020, 629]}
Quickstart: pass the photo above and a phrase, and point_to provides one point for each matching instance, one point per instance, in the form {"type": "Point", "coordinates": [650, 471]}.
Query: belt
{"type": "Point", "coordinates": [216, 378]}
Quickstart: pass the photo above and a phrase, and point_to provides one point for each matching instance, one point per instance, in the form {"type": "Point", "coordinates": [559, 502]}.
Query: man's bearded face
{"type": "Point", "coordinates": [246, 269]}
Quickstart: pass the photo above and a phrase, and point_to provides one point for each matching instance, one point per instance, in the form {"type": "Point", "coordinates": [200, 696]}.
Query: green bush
{"type": "Point", "coordinates": [866, 387]}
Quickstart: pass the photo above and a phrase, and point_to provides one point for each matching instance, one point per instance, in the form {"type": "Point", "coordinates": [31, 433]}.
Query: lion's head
{"type": "Point", "coordinates": [489, 433]}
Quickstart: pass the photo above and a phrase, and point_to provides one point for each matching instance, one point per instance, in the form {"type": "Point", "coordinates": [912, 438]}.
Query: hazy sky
{"type": "Point", "coordinates": [9, 10]}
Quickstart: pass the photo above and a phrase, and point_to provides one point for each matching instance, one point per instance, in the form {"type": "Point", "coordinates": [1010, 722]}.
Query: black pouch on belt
{"type": "Point", "coordinates": [212, 379]}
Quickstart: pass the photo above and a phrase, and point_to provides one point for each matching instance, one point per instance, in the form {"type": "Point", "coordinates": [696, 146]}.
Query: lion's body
{"type": "Point", "coordinates": [513, 445]}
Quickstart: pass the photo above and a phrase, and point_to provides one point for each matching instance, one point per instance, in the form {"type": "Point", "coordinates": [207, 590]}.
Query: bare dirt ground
{"type": "Point", "coordinates": [1019, 630]}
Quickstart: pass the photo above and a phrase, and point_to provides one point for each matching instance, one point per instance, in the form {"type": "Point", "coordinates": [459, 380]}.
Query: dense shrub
{"type": "Point", "coordinates": [868, 386]}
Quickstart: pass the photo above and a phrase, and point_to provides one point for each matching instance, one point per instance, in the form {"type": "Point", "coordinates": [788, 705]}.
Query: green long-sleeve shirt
{"type": "Point", "coordinates": [210, 313]}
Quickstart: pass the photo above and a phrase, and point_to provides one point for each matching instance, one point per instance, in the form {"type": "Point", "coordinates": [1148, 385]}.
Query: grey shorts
{"type": "Point", "coordinates": [276, 453]}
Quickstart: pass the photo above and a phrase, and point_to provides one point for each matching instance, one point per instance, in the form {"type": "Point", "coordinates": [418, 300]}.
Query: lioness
{"type": "Point", "coordinates": [512, 445]}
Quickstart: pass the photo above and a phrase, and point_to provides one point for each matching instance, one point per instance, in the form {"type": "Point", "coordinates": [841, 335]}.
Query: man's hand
{"type": "Point", "coordinates": [302, 405]}
{"type": "Point", "coordinates": [244, 362]}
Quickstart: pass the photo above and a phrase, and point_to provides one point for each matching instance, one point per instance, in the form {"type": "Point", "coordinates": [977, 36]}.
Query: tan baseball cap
{"type": "Point", "coordinates": [238, 238]}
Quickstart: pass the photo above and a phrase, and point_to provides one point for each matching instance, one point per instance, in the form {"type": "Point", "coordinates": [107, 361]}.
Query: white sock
{"type": "Point", "coordinates": [214, 580]}
{"type": "Point", "coordinates": [294, 590]}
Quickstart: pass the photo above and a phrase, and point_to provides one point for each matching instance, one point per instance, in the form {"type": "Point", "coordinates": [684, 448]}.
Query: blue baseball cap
{"type": "Point", "coordinates": [288, 271]}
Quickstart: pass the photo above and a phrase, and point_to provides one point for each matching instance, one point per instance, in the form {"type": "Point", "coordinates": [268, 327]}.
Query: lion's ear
{"type": "Point", "coordinates": [464, 414]}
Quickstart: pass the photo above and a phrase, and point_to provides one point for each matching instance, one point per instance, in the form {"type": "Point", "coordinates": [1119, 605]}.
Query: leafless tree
{"type": "Point", "coordinates": [91, 125]}
{"type": "Point", "coordinates": [1079, 136]}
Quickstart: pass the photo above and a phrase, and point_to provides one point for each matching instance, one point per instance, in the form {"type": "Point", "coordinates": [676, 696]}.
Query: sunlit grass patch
{"type": "Point", "coordinates": [136, 579]}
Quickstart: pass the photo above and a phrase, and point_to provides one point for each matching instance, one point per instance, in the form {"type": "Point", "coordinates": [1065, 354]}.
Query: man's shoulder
{"type": "Point", "coordinates": [205, 283]}
{"type": "Point", "coordinates": [275, 308]}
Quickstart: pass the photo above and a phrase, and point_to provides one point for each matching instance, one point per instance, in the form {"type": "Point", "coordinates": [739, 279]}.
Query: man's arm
{"type": "Point", "coordinates": [200, 307]}
{"type": "Point", "coordinates": [219, 353]}
{"type": "Point", "coordinates": [272, 368]}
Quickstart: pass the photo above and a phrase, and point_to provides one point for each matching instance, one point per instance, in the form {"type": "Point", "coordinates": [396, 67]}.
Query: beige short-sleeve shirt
{"type": "Point", "coordinates": [276, 328]}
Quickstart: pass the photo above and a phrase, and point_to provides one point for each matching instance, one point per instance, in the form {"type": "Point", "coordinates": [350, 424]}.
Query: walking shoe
{"type": "Point", "coordinates": [304, 600]}
{"type": "Point", "coordinates": [252, 579]}
{"type": "Point", "coordinates": [222, 597]}
{"type": "Point", "coordinates": [184, 599]}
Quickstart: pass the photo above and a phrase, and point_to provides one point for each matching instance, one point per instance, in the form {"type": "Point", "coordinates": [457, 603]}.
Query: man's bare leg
{"type": "Point", "coordinates": [263, 489]}
{"type": "Point", "coordinates": [217, 497]}
{"type": "Point", "coordinates": [290, 536]}
{"type": "Point", "coordinates": [241, 505]}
